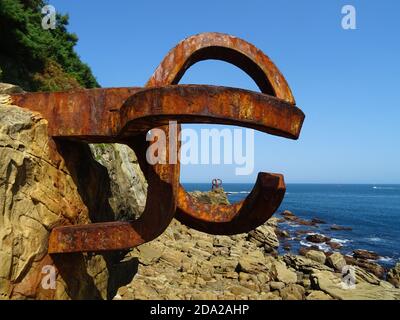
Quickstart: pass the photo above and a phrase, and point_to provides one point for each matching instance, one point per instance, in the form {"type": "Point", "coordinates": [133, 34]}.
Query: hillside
{"type": "Point", "coordinates": [37, 59]}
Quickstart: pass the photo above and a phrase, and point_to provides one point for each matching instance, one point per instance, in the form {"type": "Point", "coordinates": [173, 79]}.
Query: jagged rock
{"type": "Point", "coordinates": [253, 262]}
{"type": "Point", "coordinates": [365, 276]}
{"type": "Point", "coordinates": [393, 275]}
{"type": "Point", "coordinates": [317, 238]}
{"type": "Point", "coordinates": [318, 295]}
{"type": "Point", "coordinates": [149, 253]}
{"type": "Point", "coordinates": [216, 196]}
{"type": "Point", "coordinates": [39, 189]}
{"type": "Point", "coordinates": [304, 264]}
{"type": "Point", "coordinates": [334, 245]}
{"type": "Point", "coordinates": [371, 267]}
{"type": "Point", "coordinates": [229, 264]}
{"type": "Point", "coordinates": [273, 222]}
{"type": "Point", "coordinates": [7, 88]}
{"type": "Point", "coordinates": [276, 285]}
{"type": "Point", "coordinates": [332, 284]}
{"type": "Point", "coordinates": [223, 241]}
{"type": "Point", "coordinates": [336, 261]}
{"type": "Point", "coordinates": [292, 292]}
{"type": "Point", "coordinates": [365, 254]}
{"type": "Point", "coordinates": [281, 233]}
{"type": "Point", "coordinates": [317, 256]}
{"type": "Point", "coordinates": [281, 273]}
{"type": "Point", "coordinates": [264, 235]}
{"type": "Point", "coordinates": [127, 182]}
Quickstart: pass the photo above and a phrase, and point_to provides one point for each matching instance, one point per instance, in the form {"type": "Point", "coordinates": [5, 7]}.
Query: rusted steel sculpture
{"type": "Point", "coordinates": [124, 115]}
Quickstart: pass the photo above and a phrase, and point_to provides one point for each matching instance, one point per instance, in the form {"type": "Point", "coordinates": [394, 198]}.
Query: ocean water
{"type": "Point", "coordinates": [372, 211]}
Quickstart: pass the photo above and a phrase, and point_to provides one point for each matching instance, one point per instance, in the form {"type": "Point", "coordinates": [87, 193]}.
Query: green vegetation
{"type": "Point", "coordinates": [38, 59]}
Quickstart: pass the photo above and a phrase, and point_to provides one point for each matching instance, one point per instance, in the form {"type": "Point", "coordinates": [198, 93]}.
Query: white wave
{"type": "Point", "coordinates": [385, 259]}
{"type": "Point", "coordinates": [374, 239]}
{"type": "Point", "coordinates": [384, 188]}
{"type": "Point", "coordinates": [237, 192]}
{"type": "Point", "coordinates": [321, 246]}
{"type": "Point", "coordinates": [341, 241]}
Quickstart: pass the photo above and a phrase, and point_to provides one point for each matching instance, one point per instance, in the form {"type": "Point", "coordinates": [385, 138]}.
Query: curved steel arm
{"type": "Point", "coordinates": [271, 83]}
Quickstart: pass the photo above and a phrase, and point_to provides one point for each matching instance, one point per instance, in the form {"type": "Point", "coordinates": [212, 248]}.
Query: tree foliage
{"type": "Point", "coordinates": [37, 59]}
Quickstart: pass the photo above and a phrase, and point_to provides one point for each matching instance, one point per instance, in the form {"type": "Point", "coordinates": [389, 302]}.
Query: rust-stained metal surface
{"type": "Point", "coordinates": [82, 113]}
{"type": "Point", "coordinates": [154, 107]}
{"type": "Point", "coordinates": [270, 82]}
{"type": "Point", "coordinates": [220, 46]}
{"type": "Point", "coordinates": [263, 200]}
{"type": "Point", "coordinates": [125, 115]}
{"type": "Point", "coordinates": [99, 115]}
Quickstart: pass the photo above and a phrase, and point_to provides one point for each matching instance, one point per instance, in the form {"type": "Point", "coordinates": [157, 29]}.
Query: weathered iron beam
{"type": "Point", "coordinates": [126, 114]}
{"type": "Point", "coordinates": [155, 107]}
{"type": "Point", "coordinates": [263, 200]}
{"type": "Point", "coordinates": [270, 81]}
{"type": "Point", "coordinates": [107, 114]}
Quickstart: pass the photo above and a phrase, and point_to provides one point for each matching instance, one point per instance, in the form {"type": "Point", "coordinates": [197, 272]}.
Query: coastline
{"type": "Point", "coordinates": [187, 264]}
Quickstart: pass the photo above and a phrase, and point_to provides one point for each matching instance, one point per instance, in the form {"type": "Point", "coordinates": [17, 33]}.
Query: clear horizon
{"type": "Point", "coordinates": [345, 81]}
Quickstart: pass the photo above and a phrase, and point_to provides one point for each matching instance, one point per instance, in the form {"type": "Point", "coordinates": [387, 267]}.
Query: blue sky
{"type": "Point", "coordinates": [346, 81]}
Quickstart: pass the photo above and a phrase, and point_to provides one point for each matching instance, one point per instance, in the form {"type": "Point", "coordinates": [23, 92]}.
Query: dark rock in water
{"type": "Point", "coordinates": [393, 276]}
{"type": "Point", "coordinates": [318, 221]}
{"type": "Point", "coordinates": [365, 254]}
{"type": "Point", "coordinates": [369, 266]}
{"type": "Point", "coordinates": [317, 238]}
{"type": "Point", "coordinates": [305, 222]}
{"type": "Point", "coordinates": [334, 245]}
{"type": "Point", "coordinates": [338, 228]}
{"type": "Point", "coordinates": [291, 218]}
{"type": "Point", "coordinates": [372, 267]}
{"type": "Point", "coordinates": [287, 247]}
{"type": "Point", "coordinates": [281, 233]}
{"type": "Point", "coordinates": [287, 213]}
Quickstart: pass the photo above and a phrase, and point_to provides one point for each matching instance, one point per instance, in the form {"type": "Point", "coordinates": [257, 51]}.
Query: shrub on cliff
{"type": "Point", "coordinates": [37, 59]}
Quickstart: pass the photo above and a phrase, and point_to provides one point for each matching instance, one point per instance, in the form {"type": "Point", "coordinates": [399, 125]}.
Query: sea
{"type": "Point", "coordinates": [371, 211]}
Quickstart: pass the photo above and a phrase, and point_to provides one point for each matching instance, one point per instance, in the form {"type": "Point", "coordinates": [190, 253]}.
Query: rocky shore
{"type": "Point", "coordinates": [186, 264]}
